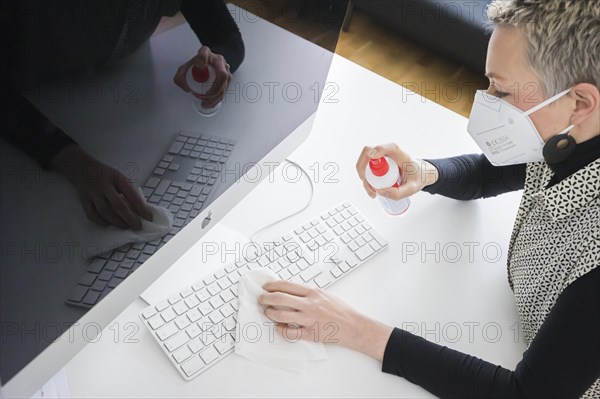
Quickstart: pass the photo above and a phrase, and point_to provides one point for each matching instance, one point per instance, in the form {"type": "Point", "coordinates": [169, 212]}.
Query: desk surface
{"type": "Point", "coordinates": [446, 283]}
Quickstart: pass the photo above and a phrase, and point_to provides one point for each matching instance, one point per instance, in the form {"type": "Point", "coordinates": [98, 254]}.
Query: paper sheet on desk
{"type": "Point", "coordinates": [256, 337]}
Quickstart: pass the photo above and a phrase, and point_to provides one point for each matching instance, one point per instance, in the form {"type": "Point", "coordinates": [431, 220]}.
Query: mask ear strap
{"type": "Point", "coordinates": [560, 147]}
{"type": "Point", "coordinates": [548, 101]}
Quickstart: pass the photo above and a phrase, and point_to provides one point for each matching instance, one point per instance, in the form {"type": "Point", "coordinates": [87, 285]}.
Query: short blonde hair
{"type": "Point", "coordinates": [563, 38]}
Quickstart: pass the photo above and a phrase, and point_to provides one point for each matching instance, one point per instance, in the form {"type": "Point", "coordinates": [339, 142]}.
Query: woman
{"type": "Point", "coordinates": [554, 252]}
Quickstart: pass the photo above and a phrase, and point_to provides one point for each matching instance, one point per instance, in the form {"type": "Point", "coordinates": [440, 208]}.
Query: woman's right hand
{"type": "Point", "coordinates": [107, 196]}
{"type": "Point", "coordinates": [416, 174]}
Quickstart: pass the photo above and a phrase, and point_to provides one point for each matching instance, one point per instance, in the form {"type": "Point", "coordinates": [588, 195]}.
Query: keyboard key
{"type": "Point", "coordinates": [375, 245]}
{"type": "Point", "coordinates": [162, 187]}
{"type": "Point", "coordinates": [213, 289]}
{"type": "Point", "coordinates": [338, 230]}
{"type": "Point", "coordinates": [176, 147]}
{"type": "Point", "coordinates": [227, 296]}
{"type": "Point", "coordinates": [168, 315]}
{"type": "Point", "coordinates": [156, 322]}
{"type": "Point", "coordinates": [174, 299]}
{"type": "Point", "coordinates": [91, 297]}
{"type": "Point", "coordinates": [162, 306]}
{"type": "Point", "coordinates": [193, 331]}
{"type": "Point", "coordinates": [227, 310]}
{"type": "Point", "coordinates": [324, 279]}
{"type": "Point", "coordinates": [224, 283]}
{"type": "Point", "coordinates": [111, 266]}
{"type": "Point", "coordinates": [166, 331]}
{"type": "Point", "coordinates": [364, 252]}
{"type": "Point", "coordinates": [209, 279]}
{"type": "Point", "coordinates": [194, 315]}
{"type": "Point", "coordinates": [192, 366]}
{"type": "Point", "coordinates": [96, 265]}
{"type": "Point", "coordinates": [196, 345]}
{"type": "Point", "coordinates": [152, 182]}
{"type": "Point", "coordinates": [229, 324]}
{"type": "Point", "coordinates": [310, 273]}
{"type": "Point", "coordinates": [209, 355]}
{"type": "Point", "coordinates": [149, 312]}
{"type": "Point", "coordinates": [205, 308]}
{"type": "Point", "coordinates": [182, 354]}
{"type": "Point", "coordinates": [225, 343]}
{"type": "Point", "coordinates": [202, 295]}
{"type": "Point", "coordinates": [336, 272]}
{"type": "Point", "coordinates": [360, 241]}
{"type": "Point", "coordinates": [285, 275]}
{"type": "Point", "coordinates": [87, 279]}
{"type": "Point", "coordinates": [302, 264]}
{"type": "Point", "coordinates": [293, 269]}
{"type": "Point", "coordinates": [176, 341]}
{"type": "Point", "coordinates": [344, 267]}
{"type": "Point", "coordinates": [78, 293]}
{"type": "Point", "coordinates": [182, 322]}
{"type": "Point", "coordinates": [378, 238]}
{"type": "Point", "coordinates": [216, 302]}
{"type": "Point", "coordinates": [192, 301]}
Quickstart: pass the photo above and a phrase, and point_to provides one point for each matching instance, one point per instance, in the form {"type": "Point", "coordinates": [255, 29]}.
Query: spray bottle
{"type": "Point", "coordinates": [384, 173]}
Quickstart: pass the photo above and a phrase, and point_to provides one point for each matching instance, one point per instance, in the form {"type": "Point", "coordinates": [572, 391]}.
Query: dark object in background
{"type": "Point", "coordinates": [456, 28]}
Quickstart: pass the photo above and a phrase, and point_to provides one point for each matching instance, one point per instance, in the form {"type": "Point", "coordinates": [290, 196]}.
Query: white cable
{"type": "Point", "coordinates": [312, 192]}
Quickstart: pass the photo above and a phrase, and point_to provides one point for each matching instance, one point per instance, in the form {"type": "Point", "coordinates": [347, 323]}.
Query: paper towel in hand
{"type": "Point", "coordinates": [258, 340]}
{"type": "Point", "coordinates": [112, 237]}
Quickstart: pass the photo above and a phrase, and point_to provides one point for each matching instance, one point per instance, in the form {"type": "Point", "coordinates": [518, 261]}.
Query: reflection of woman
{"type": "Point", "coordinates": [554, 250]}
{"type": "Point", "coordinates": [44, 40]}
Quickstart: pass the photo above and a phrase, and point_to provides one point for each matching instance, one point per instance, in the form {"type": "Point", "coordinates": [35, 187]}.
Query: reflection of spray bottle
{"type": "Point", "coordinates": [200, 80]}
{"type": "Point", "coordinates": [384, 173]}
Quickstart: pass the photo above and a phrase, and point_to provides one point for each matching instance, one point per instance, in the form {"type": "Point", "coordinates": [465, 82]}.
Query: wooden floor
{"type": "Point", "coordinates": [391, 56]}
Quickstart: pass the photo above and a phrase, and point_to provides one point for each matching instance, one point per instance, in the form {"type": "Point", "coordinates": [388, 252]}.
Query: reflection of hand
{"type": "Point", "coordinates": [315, 315]}
{"type": "Point", "coordinates": [223, 76]}
{"type": "Point", "coordinates": [107, 196]}
{"type": "Point", "coordinates": [416, 174]}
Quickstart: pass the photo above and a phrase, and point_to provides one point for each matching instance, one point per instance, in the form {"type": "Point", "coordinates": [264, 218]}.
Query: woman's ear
{"type": "Point", "coordinates": [587, 102]}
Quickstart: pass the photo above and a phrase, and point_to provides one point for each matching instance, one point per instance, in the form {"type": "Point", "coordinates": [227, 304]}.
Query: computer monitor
{"type": "Point", "coordinates": [130, 115]}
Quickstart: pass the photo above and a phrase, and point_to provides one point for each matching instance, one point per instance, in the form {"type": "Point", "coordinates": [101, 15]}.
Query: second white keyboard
{"type": "Point", "coordinates": [196, 326]}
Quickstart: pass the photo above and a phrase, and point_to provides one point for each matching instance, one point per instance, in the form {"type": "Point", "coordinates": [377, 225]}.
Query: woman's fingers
{"type": "Point", "coordinates": [133, 197]}
{"type": "Point", "coordinates": [286, 316]}
{"type": "Point", "coordinates": [105, 211]}
{"type": "Point", "coordinates": [120, 208]}
{"type": "Point", "coordinates": [286, 287]}
{"type": "Point", "coordinates": [92, 213]}
{"type": "Point", "coordinates": [281, 299]}
{"type": "Point", "coordinates": [179, 78]}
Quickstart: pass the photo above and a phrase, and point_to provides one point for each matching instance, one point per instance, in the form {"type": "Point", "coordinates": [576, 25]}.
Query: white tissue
{"type": "Point", "coordinates": [256, 337]}
{"type": "Point", "coordinates": [111, 237]}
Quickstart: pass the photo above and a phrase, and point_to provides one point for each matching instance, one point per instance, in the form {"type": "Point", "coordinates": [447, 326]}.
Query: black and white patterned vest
{"type": "Point", "coordinates": [555, 240]}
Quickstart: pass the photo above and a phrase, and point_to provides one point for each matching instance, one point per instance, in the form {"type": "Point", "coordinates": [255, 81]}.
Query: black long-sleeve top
{"type": "Point", "coordinates": [42, 40]}
{"type": "Point", "coordinates": [562, 361]}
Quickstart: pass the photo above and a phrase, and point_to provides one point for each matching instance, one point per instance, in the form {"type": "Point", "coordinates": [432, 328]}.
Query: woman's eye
{"type": "Point", "coordinates": [495, 92]}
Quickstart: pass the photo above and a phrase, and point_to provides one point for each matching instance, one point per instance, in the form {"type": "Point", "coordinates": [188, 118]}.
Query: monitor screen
{"type": "Point", "coordinates": [115, 137]}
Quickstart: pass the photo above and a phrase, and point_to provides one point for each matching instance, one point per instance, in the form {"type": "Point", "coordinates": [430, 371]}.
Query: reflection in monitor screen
{"type": "Point", "coordinates": [114, 139]}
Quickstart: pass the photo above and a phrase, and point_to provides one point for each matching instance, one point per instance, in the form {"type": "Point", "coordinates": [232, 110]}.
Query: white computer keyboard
{"type": "Point", "coordinates": [196, 326]}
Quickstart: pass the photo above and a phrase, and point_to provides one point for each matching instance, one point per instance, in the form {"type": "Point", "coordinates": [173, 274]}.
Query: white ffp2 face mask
{"type": "Point", "coordinates": [505, 134]}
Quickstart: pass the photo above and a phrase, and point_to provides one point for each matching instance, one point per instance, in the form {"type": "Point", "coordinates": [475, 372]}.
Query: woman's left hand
{"type": "Point", "coordinates": [312, 314]}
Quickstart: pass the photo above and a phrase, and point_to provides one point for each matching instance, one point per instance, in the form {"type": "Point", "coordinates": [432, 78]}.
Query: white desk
{"type": "Point", "coordinates": [462, 296]}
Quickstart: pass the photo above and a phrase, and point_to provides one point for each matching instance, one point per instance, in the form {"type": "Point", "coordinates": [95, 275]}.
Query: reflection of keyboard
{"type": "Point", "coordinates": [182, 182]}
{"type": "Point", "coordinates": [196, 326]}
